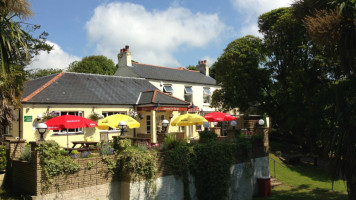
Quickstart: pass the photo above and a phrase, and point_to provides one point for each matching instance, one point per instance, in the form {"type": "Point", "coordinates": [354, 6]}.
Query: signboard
{"type": "Point", "coordinates": [162, 108]}
{"type": "Point", "coordinates": [27, 118]}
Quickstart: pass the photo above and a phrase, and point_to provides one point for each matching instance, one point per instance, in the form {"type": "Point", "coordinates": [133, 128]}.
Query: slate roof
{"type": "Point", "coordinates": [156, 96]}
{"type": "Point", "coordinates": [77, 88]}
{"type": "Point", "coordinates": [171, 74]}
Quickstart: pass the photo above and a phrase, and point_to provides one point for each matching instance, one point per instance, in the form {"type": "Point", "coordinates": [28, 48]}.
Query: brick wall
{"type": "Point", "coordinates": [26, 176]}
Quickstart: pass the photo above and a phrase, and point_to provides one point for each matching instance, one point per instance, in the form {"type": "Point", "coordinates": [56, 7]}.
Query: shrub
{"type": "Point", "coordinates": [53, 163]}
{"type": "Point", "coordinates": [171, 141]}
{"type": "Point", "coordinates": [105, 149]}
{"type": "Point", "coordinates": [26, 154]}
{"type": "Point", "coordinates": [2, 158]}
{"type": "Point", "coordinates": [207, 136]}
{"type": "Point", "coordinates": [121, 145]}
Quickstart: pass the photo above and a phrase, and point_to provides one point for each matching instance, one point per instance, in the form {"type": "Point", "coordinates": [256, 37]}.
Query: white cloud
{"type": "Point", "coordinates": [252, 9]}
{"type": "Point", "coordinates": [154, 35]}
{"type": "Point", "coordinates": [57, 59]}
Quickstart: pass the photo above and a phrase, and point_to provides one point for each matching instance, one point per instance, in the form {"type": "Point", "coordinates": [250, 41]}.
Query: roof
{"type": "Point", "coordinates": [156, 96]}
{"type": "Point", "coordinates": [77, 88]}
{"type": "Point", "coordinates": [171, 74]}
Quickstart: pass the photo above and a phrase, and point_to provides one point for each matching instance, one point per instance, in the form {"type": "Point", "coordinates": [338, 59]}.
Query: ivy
{"type": "Point", "coordinates": [2, 158]}
{"type": "Point", "coordinates": [210, 167]}
{"type": "Point", "coordinates": [53, 163]}
{"type": "Point", "coordinates": [209, 162]}
{"type": "Point", "coordinates": [138, 162]}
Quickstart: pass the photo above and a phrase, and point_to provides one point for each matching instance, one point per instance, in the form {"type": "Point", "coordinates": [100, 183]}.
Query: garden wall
{"type": "Point", "coordinates": [94, 181]}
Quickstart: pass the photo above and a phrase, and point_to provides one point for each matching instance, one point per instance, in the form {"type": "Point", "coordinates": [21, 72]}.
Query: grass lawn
{"type": "Point", "coordinates": [304, 182]}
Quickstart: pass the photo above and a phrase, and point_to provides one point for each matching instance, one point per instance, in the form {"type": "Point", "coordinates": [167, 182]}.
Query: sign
{"type": "Point", "coordinates": [27, 118]}
{"type": "Point", "coordinates": [162, 108]}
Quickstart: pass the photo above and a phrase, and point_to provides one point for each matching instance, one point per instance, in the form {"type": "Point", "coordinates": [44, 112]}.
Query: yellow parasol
{"type": "Point", "coordinates": [188, 119]}
{"type": "Point", "coordinates": [112, 121]}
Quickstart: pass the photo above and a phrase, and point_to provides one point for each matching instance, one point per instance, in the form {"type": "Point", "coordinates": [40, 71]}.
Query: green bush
{"type": "Point", "coordinates": [121, 145]}
{"type": "Point", "coordinates": [2, 158]}
{"type": "Point", "coordinates": [53, 163]}
{"type": "Point", "coordinates": [26, 154]}
{"type": "Point", "coordinates": [105, 149]}
{"type": "Point", "coordinates": [171, 141]}
{"type": "Point", "coordinates": [207, 136]}
{"type": "Point", "coordinates": [210, 167]}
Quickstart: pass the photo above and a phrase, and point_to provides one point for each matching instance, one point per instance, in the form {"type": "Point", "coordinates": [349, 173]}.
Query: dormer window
{"type": "Point", "coordinates": [206, 95]}
{"type": "Point", "coordinates": [188, 93]}
{"type": "Point", "coordinates": [168, 89]}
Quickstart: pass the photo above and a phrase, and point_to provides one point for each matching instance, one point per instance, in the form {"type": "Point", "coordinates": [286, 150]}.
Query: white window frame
{"type": "Point", "coordinates": [206, 93]}
{"type": "Point", "coordinates": [168, 89]}
{"type": "Point", "coordinates": [108, 113]}
{"type": "Point", "coordinates": [188, 93]}
{"type": "Point", "coordinates": [70, 131]}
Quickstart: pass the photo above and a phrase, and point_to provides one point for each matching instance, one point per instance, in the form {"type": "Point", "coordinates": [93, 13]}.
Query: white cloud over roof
{"type": "Point", "coordinates": [57, 59]}
{"type": "Point", "coordinates": [154, 36]}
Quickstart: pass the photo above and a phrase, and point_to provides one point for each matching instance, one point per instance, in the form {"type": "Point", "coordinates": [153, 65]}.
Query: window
{"type": "Point", "coordinates": [198, 127]}
{"type": "Point", "coordinates": [188, 94]}
{"type": "Point", "coordinates": [167, 89]}
{"type": "Point", "coordinates": [148, 123]}
{"type": "Point", "coordinates": [105, 114]}
{"type": "Point", "coordinates": [206, 95]}
{"type": "Point", "coordinates": [72, 130]}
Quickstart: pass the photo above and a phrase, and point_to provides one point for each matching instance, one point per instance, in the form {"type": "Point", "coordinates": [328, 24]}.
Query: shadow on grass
{"type": "Point", "coordinates": [303, 192]}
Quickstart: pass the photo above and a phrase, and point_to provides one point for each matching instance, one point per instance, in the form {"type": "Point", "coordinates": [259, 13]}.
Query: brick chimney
{"type": "Point", "coordinates": [124, 57]}
{"type": "Point", "coordinates": [203, 67]}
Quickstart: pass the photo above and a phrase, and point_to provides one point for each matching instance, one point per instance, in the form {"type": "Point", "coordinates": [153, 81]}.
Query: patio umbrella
{"type": "Point", "coordinates": [218, 117]}
{"type": "Point", "coordinates": [112, 121]}
{"type": "Point", "coordinates": [68, 122]}
{"type": "Point", "coordinates": [188, 119]}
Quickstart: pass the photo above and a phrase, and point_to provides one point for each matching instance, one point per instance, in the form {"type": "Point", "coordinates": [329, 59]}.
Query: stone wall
{"type": "Point", "coordinates": [96, 182]}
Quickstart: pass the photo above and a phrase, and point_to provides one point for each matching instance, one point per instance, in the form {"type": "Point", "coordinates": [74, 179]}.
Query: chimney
{"type": "Point", "coordinates": [203, 67]}
{"type": "Point", "coordinates": [124, 57]}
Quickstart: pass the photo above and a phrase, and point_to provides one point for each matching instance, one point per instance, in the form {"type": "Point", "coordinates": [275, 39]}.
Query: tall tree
{"type": "Point", "coordinates": [332, 25]}
{"type": "Point", "coordinates": [16, 47]}
{"type": "Point", "coordinates": [93, 65]}
{"type": "Point", "coordinates": [242, 80]}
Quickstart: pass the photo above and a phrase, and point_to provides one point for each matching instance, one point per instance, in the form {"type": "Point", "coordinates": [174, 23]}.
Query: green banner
{"type": "Point", "coordinates": [27, 118]}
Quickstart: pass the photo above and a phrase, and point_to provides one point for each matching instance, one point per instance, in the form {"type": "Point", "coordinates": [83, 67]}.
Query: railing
{"type": "Point", "coordinates": [274, 166]}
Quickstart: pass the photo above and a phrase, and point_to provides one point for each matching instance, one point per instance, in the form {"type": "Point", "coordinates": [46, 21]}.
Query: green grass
{"type": "Point", "coordinates": [304, 182]}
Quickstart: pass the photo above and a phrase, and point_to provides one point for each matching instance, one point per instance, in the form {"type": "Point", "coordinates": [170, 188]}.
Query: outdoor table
{"type": "Point", "coordinates": [83, 144]}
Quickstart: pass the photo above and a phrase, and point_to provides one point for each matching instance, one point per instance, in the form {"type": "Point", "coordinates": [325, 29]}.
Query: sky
{"type": "Point", "coordinates": [172, 33]}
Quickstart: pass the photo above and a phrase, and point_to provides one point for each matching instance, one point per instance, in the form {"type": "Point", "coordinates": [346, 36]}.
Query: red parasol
{"type": "Point", "coordinates": [218, 117]}
{"type": "Point", "coordinates": [68, 122]}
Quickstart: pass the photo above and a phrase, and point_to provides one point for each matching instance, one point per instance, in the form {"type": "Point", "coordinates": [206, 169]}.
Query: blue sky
{"type": "Point", "coordinates": [159, 32]}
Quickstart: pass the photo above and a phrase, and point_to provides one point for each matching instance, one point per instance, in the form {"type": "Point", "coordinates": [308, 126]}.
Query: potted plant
{"type": "Point", "coordinates": [95, 116]}
{"type": "Point", "coordinates": [74, 154]}
{"type": "Point", "coordinates": [48, 115]}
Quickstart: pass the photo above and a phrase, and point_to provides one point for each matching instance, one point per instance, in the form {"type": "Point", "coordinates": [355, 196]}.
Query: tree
{"type": "Point", "coordinates": [242, 80]}
{"type": "Point", "coordinates": [16, 48]}
{"type": "Point", "coordinates": [332, 26]}
{"type": "Point", "coordinates": [93, 65]}
{"type": "Point", "coordinates": [191, 67]}
{"type": "Point", "coordinates": [37, 73]}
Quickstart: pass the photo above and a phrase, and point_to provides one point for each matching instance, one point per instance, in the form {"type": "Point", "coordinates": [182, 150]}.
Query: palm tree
{"type": "Point", "coordinates": [13, 43]}
{"type": "Point", "coordinates": [332, 24]}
